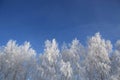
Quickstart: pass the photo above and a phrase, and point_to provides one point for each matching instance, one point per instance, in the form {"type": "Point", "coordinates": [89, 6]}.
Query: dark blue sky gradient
{"type": "Point", "coordinates": [38, 20]}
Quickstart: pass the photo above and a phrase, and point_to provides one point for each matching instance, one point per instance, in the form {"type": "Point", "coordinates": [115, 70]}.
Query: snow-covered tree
{"type": "Point", "coordinates": [115, 62]}
{"type": "Point", "coordinates": [49, 60]}
{"type": "Point", "coordinates": [74, 53]}
{"type": "Point", "coordinates": [16, 61]}
{"type": "Point", "coordinates": [97, 60]}
{"type": "Point", "coordinates": [94, 61]}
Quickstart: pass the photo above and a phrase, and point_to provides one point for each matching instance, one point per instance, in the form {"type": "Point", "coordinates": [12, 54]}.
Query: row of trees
{"type": "Point", "coordinates": [95, 61]}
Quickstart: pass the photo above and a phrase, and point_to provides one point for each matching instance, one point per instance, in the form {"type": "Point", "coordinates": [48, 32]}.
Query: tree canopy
{"type": "Point", "coordinates": [95, 61]}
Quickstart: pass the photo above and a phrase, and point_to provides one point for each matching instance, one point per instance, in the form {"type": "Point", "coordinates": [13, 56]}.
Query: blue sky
{"type": "Point", "coordinates": [38, 20]}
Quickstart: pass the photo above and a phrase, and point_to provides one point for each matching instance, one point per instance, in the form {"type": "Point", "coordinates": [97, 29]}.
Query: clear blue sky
{"type": "Point", "coordinates": [38, 20]}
